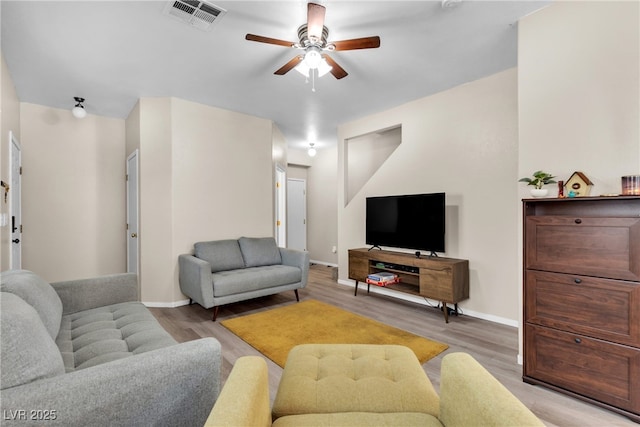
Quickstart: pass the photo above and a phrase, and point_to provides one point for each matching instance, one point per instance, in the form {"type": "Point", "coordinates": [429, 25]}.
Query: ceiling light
{"type": "Point", "coordinates": [323, 68]}
{"type": "Point", "coordinates": [312, 57]}
{"type": "Point", "coordinates": [311, 151]}
{"type": "Point", "coordinates": [450, 4]}
{"type": "Point", "coordinates": [303, 68]}
{"type": "Point", "coordinates": [78, 111]}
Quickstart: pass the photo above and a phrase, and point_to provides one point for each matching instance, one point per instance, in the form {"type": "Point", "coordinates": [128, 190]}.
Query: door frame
{"type": "Point", "coordinates": [280, 223]}
{"type": "Point", "coordinates": [15, 209]}
{"type": "Point", "coordinates": [132, 232]}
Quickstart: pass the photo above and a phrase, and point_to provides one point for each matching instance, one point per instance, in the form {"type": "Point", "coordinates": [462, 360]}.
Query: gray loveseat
{"type": "Point", "coordinates": [84, 352]}
{"type": "Point", "coordinates": [224, 271]}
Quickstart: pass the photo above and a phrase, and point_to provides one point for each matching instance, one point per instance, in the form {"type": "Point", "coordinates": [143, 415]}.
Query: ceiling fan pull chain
{"type": "Point", "coordinates": [313, 80]}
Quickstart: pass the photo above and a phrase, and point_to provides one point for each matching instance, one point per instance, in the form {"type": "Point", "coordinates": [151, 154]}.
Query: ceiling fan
{"type": "Point", "coordinates": [313, 41]}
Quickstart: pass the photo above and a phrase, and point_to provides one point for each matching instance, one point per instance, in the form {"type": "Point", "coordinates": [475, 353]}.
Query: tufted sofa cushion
{"type": "Point", "coordinates": [36, 292]}
{"type": "Point", "coordinates": [27, 352]}
{"type": "Point", "coordinates": [352, 378]}
{"type": "Point", "coordinates": [100, 335]}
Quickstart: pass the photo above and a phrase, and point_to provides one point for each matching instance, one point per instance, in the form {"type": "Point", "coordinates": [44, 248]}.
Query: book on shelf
{"type": "Point", "coordinates": [383, 283]}
{"type": "Point", "coordinates": [382, 276]}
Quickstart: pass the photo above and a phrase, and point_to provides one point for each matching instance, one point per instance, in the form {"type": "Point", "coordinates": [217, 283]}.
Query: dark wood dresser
{"type": "Point", "coordinates": [582, 298]}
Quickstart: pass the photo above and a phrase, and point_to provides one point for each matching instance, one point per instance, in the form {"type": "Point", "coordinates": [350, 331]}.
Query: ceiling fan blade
{"type": "Point", "coordinates": [315, 21]}
{"type": "Point", "coordinates": [337, 71]}
{"type": "Point", "coordinates": [289, 65]}
{"type": "Point", "coordinates": [362, 43]}
{"type": "Point", "coordinates": [268, 40]}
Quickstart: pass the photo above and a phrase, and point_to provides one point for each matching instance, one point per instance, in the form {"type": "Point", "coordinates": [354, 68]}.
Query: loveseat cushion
{"type": "Point", "coordinates": [221, 254]}
{"type": "Point", "coordinates": [103, 334]}
{"type": "Point", "coordinates": [36, 292]}
{"type": "Point", "coordinates": [259, 251]}
{"type": "Point", "coordinates": [27, 352]}
{"type": "Point", "coordinates": [252, 279]}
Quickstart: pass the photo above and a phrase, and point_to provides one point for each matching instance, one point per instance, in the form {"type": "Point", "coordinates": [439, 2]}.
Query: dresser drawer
{"type": "Point", "coordinates": [591, 246]}
{"type": "Point", "coordinates": [596, 369]}
{"type": "Point", "coordinates": [599, 308]}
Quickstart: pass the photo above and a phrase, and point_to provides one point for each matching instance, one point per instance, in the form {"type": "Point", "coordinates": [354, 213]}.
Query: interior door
{"type": "Point", "coordinates": [132, 212]}
{"type": "Point", "coordinates": [16, 202]}
{"type": "Point", "coordinates": [297, 214]}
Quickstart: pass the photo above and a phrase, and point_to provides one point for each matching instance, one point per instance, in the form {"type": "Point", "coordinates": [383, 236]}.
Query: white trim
{"type": "Point", "coordinates": [423, 301]}
{"type": "Point", "coordinates": [166, 304]}
{"type": "Point", "coordinates": [328, 264]}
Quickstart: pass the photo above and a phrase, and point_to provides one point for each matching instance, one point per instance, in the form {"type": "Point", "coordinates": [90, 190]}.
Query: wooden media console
{"type": "Point", "coordinates": [438, 278]}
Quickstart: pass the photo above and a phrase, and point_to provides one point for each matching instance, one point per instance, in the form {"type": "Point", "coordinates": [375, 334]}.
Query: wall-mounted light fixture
{"type": "Point", "coordinates": [311, 151]}
{"type": "Point", "coordinates": [78, 111]}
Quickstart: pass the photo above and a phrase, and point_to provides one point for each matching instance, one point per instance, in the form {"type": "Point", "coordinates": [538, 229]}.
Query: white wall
{"type": "Point", "coordinates": [205, 174]}
{"type": "Point", "coordinates": [9, 121]}
{"type": "Point", "coordinates": [579, 91]}
{"type": "Point", "coordinates": [73, 193]}
{"type": "Point", "coordinates": [464, 142]}
{"type": "Point", "coordinates": [322, 200]}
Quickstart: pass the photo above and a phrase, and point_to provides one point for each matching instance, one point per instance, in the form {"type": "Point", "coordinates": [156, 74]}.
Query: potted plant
{"type": "Point", "coordinates": [539, 179]}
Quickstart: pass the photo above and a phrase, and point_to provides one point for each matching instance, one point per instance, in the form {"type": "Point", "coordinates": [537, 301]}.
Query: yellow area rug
{"type": "Point", "coordinates": [275, 332]}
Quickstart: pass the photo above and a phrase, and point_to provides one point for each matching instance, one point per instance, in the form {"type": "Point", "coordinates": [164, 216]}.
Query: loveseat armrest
{"type": "Point", "coordinates": [171, 386]}
{"type": "Point", "coordinates": [296, 258]}
{"type": "Point", "coordinates": [244, 399]}
{"type": "Point", "coordinates": [470, 395]}
{"type": "Point", "coordinates": [84, 294]}
{"type": "Point", "coordinates": [195, 279]}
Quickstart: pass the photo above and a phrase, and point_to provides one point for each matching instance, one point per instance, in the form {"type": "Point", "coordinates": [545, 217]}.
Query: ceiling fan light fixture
{"type": "Point", "coordinates": [323, 68]}
{"type": "Point", "coordinates": [303, 69]}
{"type": "Point", "coordinates": [313, 57]}
{"type": "Point", "coordinates": [78, 110]}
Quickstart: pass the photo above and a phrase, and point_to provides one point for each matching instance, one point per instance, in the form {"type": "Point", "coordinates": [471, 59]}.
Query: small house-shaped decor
{"type": "Point", "coordinates": [578, 185]}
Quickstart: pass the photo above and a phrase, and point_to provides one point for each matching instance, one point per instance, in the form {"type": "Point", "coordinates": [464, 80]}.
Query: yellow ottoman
{"type": "Point", "coordinates": [333, 378]}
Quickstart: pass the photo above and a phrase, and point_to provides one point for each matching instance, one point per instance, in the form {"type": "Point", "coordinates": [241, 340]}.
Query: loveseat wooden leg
{"type": "Point", "coordinates": [215, 312]}
{"type": "Point", "coordinates": [297, 297]}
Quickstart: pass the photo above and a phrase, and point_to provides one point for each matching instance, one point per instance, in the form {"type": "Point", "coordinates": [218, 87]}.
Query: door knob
{"type": "Point", "coordinates": [16, 240]}
{"type": "Point", "coordinates": [134, 235]}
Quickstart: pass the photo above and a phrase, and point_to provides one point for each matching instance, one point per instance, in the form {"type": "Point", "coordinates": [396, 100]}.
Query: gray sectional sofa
{"type": "Point", "coordinates": [85, 352]}
{"type": "Point", "coordinates": [225, 271]}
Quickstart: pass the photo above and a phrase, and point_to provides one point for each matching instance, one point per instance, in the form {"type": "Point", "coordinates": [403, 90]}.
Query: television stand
{"type": "Point", "coordinates": [442, 279]}
{"type": "Point", "coordinates": [374, 247]}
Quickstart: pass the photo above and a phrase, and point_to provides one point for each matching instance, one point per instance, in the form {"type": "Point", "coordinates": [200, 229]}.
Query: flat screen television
{"type": "Point", "coordinates": [413, 221]}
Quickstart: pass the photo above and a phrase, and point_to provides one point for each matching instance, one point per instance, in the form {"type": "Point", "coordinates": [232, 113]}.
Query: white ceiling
{"type": "Point", "coordinates": [114, 52]}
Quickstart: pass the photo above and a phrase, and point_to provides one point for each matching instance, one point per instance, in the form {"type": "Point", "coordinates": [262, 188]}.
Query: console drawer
{"type": "Point", "coordinates": [599, 308]}
{"type": "Point", "coordinates": [590, 367]}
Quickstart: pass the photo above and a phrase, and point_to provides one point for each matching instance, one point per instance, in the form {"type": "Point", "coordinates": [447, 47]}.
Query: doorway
{"type": "Point", "coordinates": [297, 214]}
{"type": "Point", "coordinates": [132, 212]}
{"type": "Point", "coordinates": [281, 208]}
{"type": "Point", "coordinates": [15, 169]}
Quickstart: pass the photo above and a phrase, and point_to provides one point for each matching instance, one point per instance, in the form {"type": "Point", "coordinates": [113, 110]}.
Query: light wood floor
{"type": "Point", "coordinates": [495, 346]}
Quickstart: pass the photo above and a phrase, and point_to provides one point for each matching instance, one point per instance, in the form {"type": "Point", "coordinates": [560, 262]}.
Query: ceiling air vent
{"type": "Point", "coordinates": [196, 13]}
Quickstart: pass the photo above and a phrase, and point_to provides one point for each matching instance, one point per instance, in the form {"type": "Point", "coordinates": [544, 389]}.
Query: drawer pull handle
{"type": "Point", "coordinates": [578, 221]}
{"type": "Point", "coordinates": [578, 280]}
{"type": "Point", "coordinates": [578, 340]}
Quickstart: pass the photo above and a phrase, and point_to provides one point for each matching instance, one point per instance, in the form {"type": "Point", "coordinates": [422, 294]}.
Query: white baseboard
{"type": "Point", "coordinates": [328, 264]}
{"type": "Point", "coordinates": [166, 304]}
{"type": "Point", "coordinates": [425, 302]}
